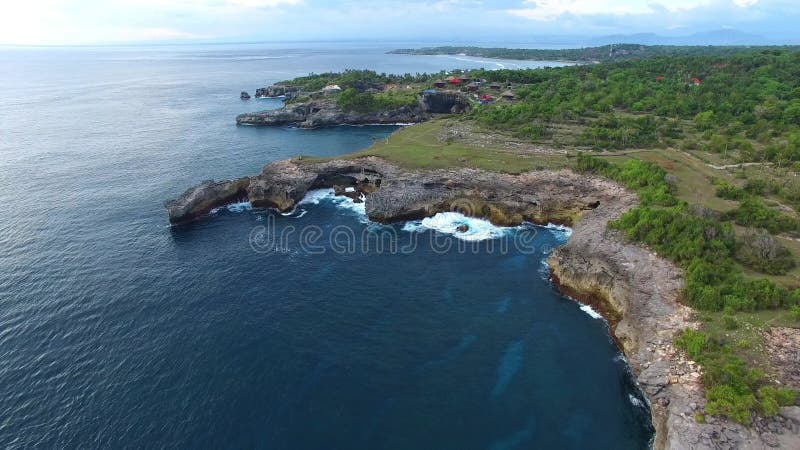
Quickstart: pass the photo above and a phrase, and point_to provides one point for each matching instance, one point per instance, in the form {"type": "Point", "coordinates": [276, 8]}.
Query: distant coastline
{"type": "Point", "coordinates": [604, 53]}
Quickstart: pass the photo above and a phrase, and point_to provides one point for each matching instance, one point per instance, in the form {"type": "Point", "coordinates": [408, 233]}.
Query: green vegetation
{"type": "Point", "coordinates": [763, 252]}
{"type": "Point", "coordinates": [729, 192]}
{"type": "Point", "coordinates": [732, 388]}
{"type": "Point", "coordinates": [430, 146]}
{"type": "Point", "coordinates": [753, 213]}
{"type": "Point", "coordinates": [744, 105]}
{"type": "Point", "coordinates": [352, 100]}
{"type": "Point", "coordinates": [603, 53]}
{"type": "Point", "coordinates": [360, 80]}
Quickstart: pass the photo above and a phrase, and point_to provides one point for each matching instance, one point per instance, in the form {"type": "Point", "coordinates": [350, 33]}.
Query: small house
{"type": "Point", "coordinates": [464, 78]}
{"type": "Point", "coordinates": [696, 81]}
{"type": "Point", "coordinates": [495, 86]}
{"type": "Point", "coordinates": [508, 95]}
{"type": "Point", "coordinates": [331, 89]}
{"type": "Point", "coordinates": [472, 87]}
{"type": "Point", "coordinates": [454, 80]}
{"type": "Point", "coordinates": [439, 84]}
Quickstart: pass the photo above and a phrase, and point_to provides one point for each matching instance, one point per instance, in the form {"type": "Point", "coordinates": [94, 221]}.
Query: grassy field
{"type": "Point", "coordinates": [426, 146]}
{"type": "Point", "coordinates": [693, 176]}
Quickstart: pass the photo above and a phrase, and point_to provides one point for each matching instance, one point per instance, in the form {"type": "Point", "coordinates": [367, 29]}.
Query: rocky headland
{"type": "Point", "coordinates": [635, 289]}
{"type": "Point", "coordinates": [320, 111]}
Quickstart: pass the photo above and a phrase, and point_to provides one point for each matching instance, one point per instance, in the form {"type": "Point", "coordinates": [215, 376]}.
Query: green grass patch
{"type": "Point", "coordinates": [426, 146]}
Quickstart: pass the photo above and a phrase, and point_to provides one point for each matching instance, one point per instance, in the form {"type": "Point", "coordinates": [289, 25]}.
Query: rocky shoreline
{"type": "Point", "coordinates": [637, 290]}
{"type": "Point", "coordinates": [321, 111]}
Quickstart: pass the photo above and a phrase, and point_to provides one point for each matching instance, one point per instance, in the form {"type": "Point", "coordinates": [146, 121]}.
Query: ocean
{"type": "Point", "coordinates": [235, 331]}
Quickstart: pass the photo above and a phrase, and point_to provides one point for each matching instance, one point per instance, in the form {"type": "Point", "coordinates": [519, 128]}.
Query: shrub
{"type": "Point", "coordinates": [761, 251]}
{"type": "Point", "coordinates": [730, 192]}
{"type": "Point", "coordinates": [724, 400]}
{"type": "Point", "coordinates": [770, 398]}
{"type": "Point", "coordinates": [752, 212]}
{"type": "Point", "coordinates": [730, 322]}
{"type": "Point", "coordinates": [693, 342]}
{"type": "Point", "coordinates": [352, 100]}
{"type": "Point", "coordinates": [794, 313]}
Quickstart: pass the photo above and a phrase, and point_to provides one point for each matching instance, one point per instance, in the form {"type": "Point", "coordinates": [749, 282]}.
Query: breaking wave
{"type": "Point", "coordinates": [449, 222]}
{"type": "Point", "coordinates": [314, 197]}
{"type": "Point", "coordinates": [590, 311]}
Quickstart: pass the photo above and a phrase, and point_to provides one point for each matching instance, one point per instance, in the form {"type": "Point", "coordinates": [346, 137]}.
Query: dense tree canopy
{"type": "Point", "coordinates": [747, 104]}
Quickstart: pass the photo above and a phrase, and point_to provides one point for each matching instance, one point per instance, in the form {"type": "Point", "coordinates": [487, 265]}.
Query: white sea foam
{"type": "Point", "coordinates": [588, 310]}
{"type": "Point", "coordinates": [239, 207]}
{"type": "Point", "coordinates": [635, 401]}
{"type": "Point", "coordinates": [481, 61]}
{"type": "Point", "coordinates": [565, 230]}
{"type": "Point", "coordinates": [448, 223]}
{"type": "Point", "coordinates": [316, 196]}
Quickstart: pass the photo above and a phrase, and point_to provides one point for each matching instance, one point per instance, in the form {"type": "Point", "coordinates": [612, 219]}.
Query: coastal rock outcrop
{"type": "Point", "coordinates": [201, 199]}
{"type": "Point", "coordinates": [244, 95]}
{"type": "Point", "coordinates": [394, 194]}
{"type": "Point", "coordinates": [277, 90]}
{"type": "Point", "coordinates": [443, 102]}
{"type": "Point", "coordinates": [322, 112]}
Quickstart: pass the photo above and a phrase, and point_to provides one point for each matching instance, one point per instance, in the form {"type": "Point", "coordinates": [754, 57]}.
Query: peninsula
{"type": "Point", "coordinates": [685, 216]}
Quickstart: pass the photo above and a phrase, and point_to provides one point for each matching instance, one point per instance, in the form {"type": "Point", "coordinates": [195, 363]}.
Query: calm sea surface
{"type": "Point", "coordinates": [119, 331]}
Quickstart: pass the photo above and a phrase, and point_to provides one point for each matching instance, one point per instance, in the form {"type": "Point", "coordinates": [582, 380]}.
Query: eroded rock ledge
{"type": "Point", "coordinates": [324, 111]}
{"type": "Point", "coordinates": [634, 288]}
{"type": "Point", "coordinates": [394, 194]}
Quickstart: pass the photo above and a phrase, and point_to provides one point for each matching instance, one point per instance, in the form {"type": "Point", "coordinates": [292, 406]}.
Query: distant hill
{"type": "Point", "coordinates": [715, 37]}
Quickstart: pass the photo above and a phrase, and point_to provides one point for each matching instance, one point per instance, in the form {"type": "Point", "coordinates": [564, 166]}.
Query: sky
{"type": "Point", "coordinates": [68, 22]}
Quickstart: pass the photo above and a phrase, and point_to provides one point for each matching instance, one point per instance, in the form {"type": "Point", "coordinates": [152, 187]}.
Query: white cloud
{"type": "Point", "coordinates": [263, 3]}
{"type": "Point", "coordinates": [545, 10]}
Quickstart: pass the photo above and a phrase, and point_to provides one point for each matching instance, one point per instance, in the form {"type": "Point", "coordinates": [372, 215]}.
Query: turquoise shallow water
{"type": "Point", "coordinates": [117, 330]}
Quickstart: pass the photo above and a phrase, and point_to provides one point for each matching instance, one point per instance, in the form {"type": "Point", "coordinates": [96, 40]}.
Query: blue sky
{"type": "Point", "coordinates": [51, 22]}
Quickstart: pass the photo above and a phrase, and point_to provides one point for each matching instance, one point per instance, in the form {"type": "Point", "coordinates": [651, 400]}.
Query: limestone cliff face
{"type": "Point", "coordinates": [638, 291]}
{"type": "Point", "coordinates": [323, 112]}
{"type": "Point", "coordinates": [275, 91]}
{"type": "Point", "coordinates": [394, 194]}
{"type": "Point", "coordinates": [204, 197]}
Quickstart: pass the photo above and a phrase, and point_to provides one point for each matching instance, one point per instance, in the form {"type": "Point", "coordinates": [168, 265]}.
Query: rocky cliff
{"type": "Point", "coordinates": [322, 112]}
{"type": "Point", "coordinates": [275, 91]}
{"type": "Point", "coordinates": [635, 289]}
{"type": "Point", "coordinates": [394, 194]}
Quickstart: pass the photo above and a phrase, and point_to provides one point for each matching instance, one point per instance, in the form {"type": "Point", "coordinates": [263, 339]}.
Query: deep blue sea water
{"type": "Point", "coordinates": [117, 330]}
